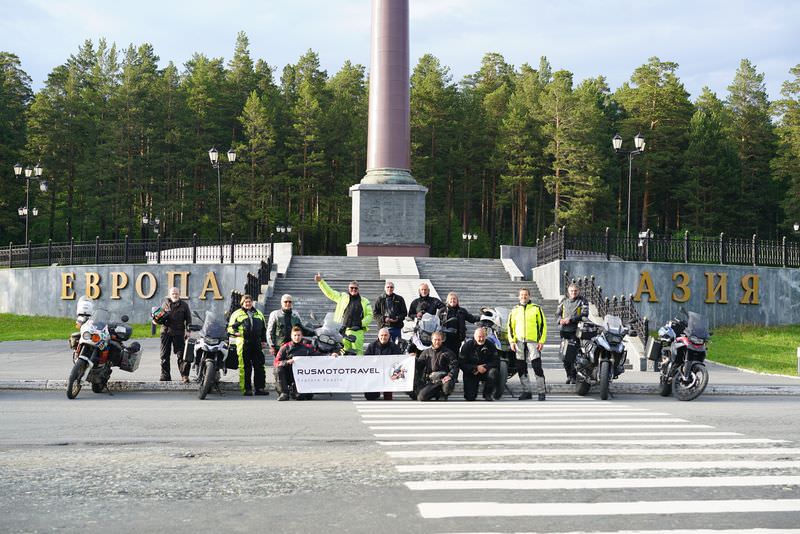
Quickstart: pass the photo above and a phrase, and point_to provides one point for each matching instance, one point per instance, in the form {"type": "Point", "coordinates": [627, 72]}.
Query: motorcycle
{"type": "Point", "coordinates": [97, 348]}
{"type": "Point", "coordinates": [494, 320]}
{"type": "Point", "coordinates": [683, 344]}
{"type": "Point", "coordinates": [329, 338]}
{"type": "Point", "coordinates": [604, 358]}
{"type": "Point", "coordinates": [208, 352]}
{"type": "Point", "coordinates": [417, 332]}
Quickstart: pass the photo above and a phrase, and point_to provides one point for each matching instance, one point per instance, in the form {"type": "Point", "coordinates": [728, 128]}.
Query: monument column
{"type": "Point", "coordinates": [388, 204]}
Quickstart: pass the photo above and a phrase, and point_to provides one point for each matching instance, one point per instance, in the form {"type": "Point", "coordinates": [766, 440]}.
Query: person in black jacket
{"type": "Point", "coordinates": [425, 303]}
{"type": "Point", "coordinates": [173, 334]}
{"type": "Point", "coordinates": [479, 362]}
{"type": "Point", "coordinates": [383, 346]}
{"type": "Point", "coordinates": [389, 311]}
{"type": "Point", "coordinates": [284, 376]}
{"type": "Point", "coordinates": [436, 371]}
{"type": "Point", "coordinates": [571, 311]}
{"type": "Point", "coordinates": [454, 320]}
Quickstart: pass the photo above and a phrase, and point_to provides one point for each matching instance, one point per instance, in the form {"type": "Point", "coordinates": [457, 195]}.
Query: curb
{"type": "Point", "coordinates": [616, 388]}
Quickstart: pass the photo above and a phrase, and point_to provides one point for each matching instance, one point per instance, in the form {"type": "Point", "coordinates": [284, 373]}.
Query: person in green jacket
{"type": "Point", "coordinates": [527, 331]}
{"type": "Point", "coordinates": [353, 311]}
{"type": "Point", "coordinates": [249, 330]}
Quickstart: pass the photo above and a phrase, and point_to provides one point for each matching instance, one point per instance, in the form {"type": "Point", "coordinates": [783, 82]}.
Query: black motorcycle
{"type": "Point", "coordinates": [683, 345]}
{"type": "Point", "coordinates": [604, 358]}
{"type": "Point", "coordinates": [208, 352]}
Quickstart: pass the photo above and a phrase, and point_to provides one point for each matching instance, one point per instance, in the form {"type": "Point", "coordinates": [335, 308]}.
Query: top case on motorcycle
{"type": "Point", "coordinates": [653, 349]}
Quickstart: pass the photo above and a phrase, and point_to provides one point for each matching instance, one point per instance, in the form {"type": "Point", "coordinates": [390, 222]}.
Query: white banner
{"type": "Point", "coordinates": [353, 374]}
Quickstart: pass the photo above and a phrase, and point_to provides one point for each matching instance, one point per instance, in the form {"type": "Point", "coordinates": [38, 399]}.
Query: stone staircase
{"type": "Point", "coordinates": [478, 282]}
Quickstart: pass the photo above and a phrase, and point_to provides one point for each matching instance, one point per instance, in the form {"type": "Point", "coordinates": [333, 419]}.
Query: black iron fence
{"type": "Point", "coordinates": [100, 251]}
{"type": "Point", "coordinates": [719, 250]}
{"type": "Point", "coordinates": [621, 306]}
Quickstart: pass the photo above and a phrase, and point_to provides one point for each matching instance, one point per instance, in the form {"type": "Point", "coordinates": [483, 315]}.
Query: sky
{"type": "Point", "coordinates": [707, 38]}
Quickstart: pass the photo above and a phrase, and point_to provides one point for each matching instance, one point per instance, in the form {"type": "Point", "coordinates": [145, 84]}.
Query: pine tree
{"type": "Point", "coordinates": [786, 163]}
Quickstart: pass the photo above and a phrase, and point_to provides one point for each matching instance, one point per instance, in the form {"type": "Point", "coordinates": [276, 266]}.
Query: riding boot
{"type": "Point", "coordinates": [526, 387]}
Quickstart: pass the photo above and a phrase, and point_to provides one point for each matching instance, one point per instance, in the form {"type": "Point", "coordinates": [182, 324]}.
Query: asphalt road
{"type": "Point", "coordinates": [155, 461]}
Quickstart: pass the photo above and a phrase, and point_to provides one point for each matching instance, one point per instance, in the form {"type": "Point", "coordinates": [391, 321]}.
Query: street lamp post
{"type": "Point", "coordinates": [639, 143]}
{"type": "Point", "coordinates": [34, 173]}
{"type": "Point", "coordinates": [469, 238]}
{"type": "Point", "coordinates": [284, 230]}
{"type": "Point", "coordinates": [213, 155]}
{"type": "Point", "coordinates": [155, 223]}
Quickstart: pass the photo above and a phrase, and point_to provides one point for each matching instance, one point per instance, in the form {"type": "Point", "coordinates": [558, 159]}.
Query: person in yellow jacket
{"type": "Point", "coordinates": [353, 311]}
{"type": "Point", "coordinates": [249, 330]}
{"type": "Point", "coordinates": [527, 331]}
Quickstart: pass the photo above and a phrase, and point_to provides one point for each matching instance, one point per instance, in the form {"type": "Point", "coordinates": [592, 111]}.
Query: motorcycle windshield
{"type": "Point", "coordinates": [330, 327]}
{"type": "Point", "coordinates": [213, 326]}
{"type": "Point", "coordinates": [697, 326]}
{"type": "Point", "coordinates": [100, 318]}
{"type": "Point", "coordinates": [429, 323]}
{"type": "Point", "coordinates": [612, 324]}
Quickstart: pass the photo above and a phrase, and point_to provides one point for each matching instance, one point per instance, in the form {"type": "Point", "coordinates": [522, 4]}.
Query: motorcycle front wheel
{"type": "Point", "coordinates": [209, 373]}
{"type": "Point", "coordinates": [605, 378]}
{"type": "Point", "coordinates": [690, 387]}
{"type": "Point", "coordinates": [74, 383]}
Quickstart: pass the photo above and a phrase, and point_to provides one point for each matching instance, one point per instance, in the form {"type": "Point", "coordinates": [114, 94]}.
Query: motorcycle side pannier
{"type": "Point", "coordinates": [587, 330]}
{"type": "Point", "coordinates": [188, 350]}
{"type": "Point", "coordinates": [653, 349]}
{"type": "Point", "coordinates": [131, 357]}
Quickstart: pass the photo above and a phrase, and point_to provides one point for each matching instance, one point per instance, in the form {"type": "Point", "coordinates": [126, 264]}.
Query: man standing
{"type": "Point", "coordinates": [425, 303]}
{"type": "Point", "coordinates": [571, 311]}
{"type": "Point", "coordinates": [280, 325]}
{"type": "Point", "coordinates": [527, 331]}
{"type": "Point", "coordinates": [436, 369]}
{"type": "Point", "coordinates": [389, 311]}
{"type": "Point", "coordinates": [173, 334]}
{"type": "Point", "coordinates": [479, 361]}
{"type": "Point", "coordinates": [453, 319]}
{"type": "Point", "coordinates": [352, 311]}
{"type": "Point", "coordinates": [249, 329]}
{"type": "Point", "coordinates": [383, 346]}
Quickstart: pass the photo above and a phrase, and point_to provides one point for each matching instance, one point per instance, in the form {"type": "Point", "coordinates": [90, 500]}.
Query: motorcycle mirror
{"type": "Point", "coordinates": [633, 333]}
{"type": "Point", "coordinates": [313, 316]}
{"type": "Point", "coordinates": [124, 318]}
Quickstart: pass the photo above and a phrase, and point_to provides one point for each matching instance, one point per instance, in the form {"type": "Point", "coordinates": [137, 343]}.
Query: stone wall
{"type": "Point", "coordinates": [726, 294]}
{"type": "Point", "coordinates": [122, 289]}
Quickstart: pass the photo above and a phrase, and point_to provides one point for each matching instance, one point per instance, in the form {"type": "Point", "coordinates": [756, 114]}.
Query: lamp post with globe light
{"type": "Point", "coordinates": [34, 173]}
{"type": "Point", "coordinates": [639, 143]}
{"type": "Point", "coordinates": [213, 155]}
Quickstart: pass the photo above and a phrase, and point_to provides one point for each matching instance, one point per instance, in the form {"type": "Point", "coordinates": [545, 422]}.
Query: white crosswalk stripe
{"type": "Point", "coordinates": [572, 446]}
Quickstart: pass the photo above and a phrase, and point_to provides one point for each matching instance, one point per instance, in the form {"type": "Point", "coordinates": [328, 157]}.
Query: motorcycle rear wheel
{"type": "Point", "coordinates": [74, 384]}
{"type": "Point", "coordinates": [664, 386]}
{"type": "Point", "coordinates": [582, 387]}
{"type": "Point", "coordinates": [690, 387]}
{"type": "Point", "coordinates": [605, 378]}
{"type": "Point", "coordinates": [209, 373]}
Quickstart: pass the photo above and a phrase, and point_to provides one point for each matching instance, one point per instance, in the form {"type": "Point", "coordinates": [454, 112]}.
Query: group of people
{"type": "Point", "coordinates": [438, 367]}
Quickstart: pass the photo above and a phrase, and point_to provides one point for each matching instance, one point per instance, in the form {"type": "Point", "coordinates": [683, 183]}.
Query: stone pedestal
{"type": "Point", "coordinates": [388, 220]}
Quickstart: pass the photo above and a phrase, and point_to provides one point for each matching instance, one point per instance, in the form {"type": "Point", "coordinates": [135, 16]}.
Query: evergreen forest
{"type": "Point", "coordinates": [508, 153]}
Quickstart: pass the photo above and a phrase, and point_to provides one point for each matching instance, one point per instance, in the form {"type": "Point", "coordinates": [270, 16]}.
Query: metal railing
{"type": "Point", "coordinates": [99, 251]}
{"type": "Point", "coordinates": [622, 306]}
{"type": "Point", "coordinates": [719, 250]}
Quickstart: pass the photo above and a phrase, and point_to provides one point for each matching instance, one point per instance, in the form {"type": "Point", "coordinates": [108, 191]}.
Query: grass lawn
{"type": "Point", "coordinates": [765, 349]}
{"type": "Point", "coordinates": [26, 327]}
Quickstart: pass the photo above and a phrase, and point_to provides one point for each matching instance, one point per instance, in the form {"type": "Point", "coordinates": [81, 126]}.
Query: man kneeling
{"type": "Point", "coordinates": [438, 367]}
{"type": "Point", "coordinates": [479, 362]}
{"type": "Point", "coordinates": [284, 377]}
{"type": "Point", "coordinates": [383, 346]}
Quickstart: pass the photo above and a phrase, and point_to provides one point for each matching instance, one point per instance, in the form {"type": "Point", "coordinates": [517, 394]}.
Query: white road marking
{"type": "Point", "coordinates": [583, 442]}
{"type": "Point", "coordinates": [538, 426]}
{"type": "Point", "coordinates": [497, 453]}
{"type": "Point", "coordinates": [441, 510]}
{"type": "Point", "coordinates": [546, 435]}
{"type": "Point", "coordinates": [513, 416]}
{"type": "Point", "coordinates": [603, 483]}
{"type": "Point", "coordinates": [606, 466]}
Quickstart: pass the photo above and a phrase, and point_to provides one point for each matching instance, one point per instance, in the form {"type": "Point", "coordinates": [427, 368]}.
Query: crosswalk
{"type": "Point", "coordinates": [576, 464]}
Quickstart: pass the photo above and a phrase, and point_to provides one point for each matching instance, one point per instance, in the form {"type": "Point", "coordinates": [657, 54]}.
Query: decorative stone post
{"type": "Point", "coordinates": [388, 204]}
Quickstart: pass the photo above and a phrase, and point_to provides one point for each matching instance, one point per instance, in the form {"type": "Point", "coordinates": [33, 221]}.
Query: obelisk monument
{"type": "Point", "coordinates": [388, 204]}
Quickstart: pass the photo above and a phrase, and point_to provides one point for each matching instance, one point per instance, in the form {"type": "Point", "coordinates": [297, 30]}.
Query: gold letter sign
{"type": "Point", "coordinates": [683, 285]}
{"type": "Point", "coordinates": [720, 288]}
{"type": "Point", "coordinates": [93, 285]}
{"type": "Point", "coordinates": [67, 291]}
{"type": "Point", "coordinates": [750, 286]}
{"type": "Point", "coordinates": [210, 284]}
{"type": "Point", "coordinates": [645, 286]}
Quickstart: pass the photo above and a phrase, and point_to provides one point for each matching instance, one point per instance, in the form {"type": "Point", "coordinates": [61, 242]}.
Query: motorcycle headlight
{"type": "Point", "coordinates": [696, 340]}
{"type": "Point", "coordinates": [87, 336]}
{"type": "Point", "coordinates": [613, 338]}
{"type": "Point", "coordinates": [212, 341]}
